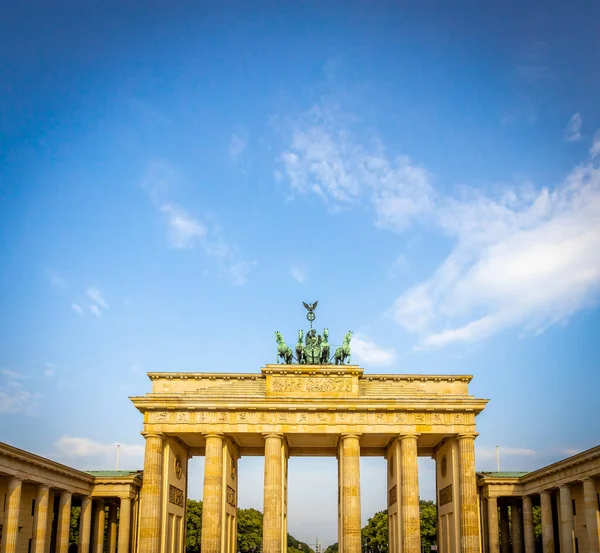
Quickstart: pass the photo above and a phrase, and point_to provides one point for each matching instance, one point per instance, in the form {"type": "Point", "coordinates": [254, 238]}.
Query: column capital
{"type": "Point", "coordinates": [467, 435]}
{"type": "Point", "coordinates": [278, 435]}
{"type": "Point", "coordinates": [214, 435]}
{"type": "Point", "coordinates": [587, 479]}
{"type": "Point", "coordinates": [414, 435]}
{"type": "Point", "coordinates": [565, 486]}
{"type": "Point", "coordinates": [152, 435]}
{"type": "Point", "coordinates": [350, 435]}
{"type": "Point", "coordinates": [41, 486]}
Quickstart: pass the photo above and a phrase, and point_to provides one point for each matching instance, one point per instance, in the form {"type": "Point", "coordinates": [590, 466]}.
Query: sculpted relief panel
{"type": "Point", "coordinates": [311, 384]}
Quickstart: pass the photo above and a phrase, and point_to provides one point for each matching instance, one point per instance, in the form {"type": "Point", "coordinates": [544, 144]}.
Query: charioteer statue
{"type": "Point", "coordinates": [315, 350]}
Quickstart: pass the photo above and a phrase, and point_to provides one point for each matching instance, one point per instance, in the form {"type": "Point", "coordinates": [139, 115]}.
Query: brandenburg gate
{"type": "Point", "coordinates": [310, 408]}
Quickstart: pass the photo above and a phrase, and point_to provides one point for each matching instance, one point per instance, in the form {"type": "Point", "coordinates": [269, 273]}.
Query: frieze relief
{"type": "Point", "coordinates": [313, 417]}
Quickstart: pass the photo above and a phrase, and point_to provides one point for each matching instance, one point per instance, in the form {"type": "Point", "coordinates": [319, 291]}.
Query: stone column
{"type": "Point", "coordinates": [10, 533]}
{"type": "Point", "coordinates": [273, 504]}
{"type": "Point", "coordinates": [565, 529]}
{"type": "Point", "coordinates": [547, 523]}
{"type": "Point", "coordinates": [409, 495]}
{"type": "Point", "coordinates": [492, 512]}
{"type": "Point", "coordinates": [504, 528]}
{"type": "Point", "coordinates": [124, 524]}
{"type": "Point", "coordinates": [590, 506]}
{"type": "Point", "coordinates": [212, 500]}
{"type": "Point", "coordinates": [151, 507]}
{"type": "Point", "coordinates": [469, 524]}
{"type": "Point", "coordinates": [349, 486]}
{"type": "Point", "coordinates": [85, 525]}
{"type": "Point", "coordinates": [517, 526]}
{"type": "Point", "coordinates": [528, 534]}
{"type": "Point", "coordinates": [111, 534]}
{"type": "Point", "coordinates": [64, 522]}
{"type": "Point", "coordinates": [99, 519]}
{"type": "Point", "coordinates": [40, 520]}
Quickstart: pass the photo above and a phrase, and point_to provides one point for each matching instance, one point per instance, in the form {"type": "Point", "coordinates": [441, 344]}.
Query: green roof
{"type": "Point", "coordinates": [113, 472]}
{"type": "Point", "coordinates": [502, 474]}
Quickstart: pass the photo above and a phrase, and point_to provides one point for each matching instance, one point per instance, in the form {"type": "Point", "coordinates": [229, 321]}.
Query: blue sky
{"type": "Point", "coordinates": [176, 180]}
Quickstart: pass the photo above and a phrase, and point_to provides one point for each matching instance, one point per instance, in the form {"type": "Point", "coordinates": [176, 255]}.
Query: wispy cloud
{"type": "Point", "coordinates": [95, 310]}
{"type": "Point", "coordinates": [325, 158]}
{"type": "Point", "coordinates": [526, 258]}
{"type": "Point", "coordinates": [14, 397]}
{"type": "Point", "coordinates": [96, 296]}
{"type": "Point", "coordinates": [595, 149]}
{"type": "Point", "coordinates": [56, 280]}
{"type": "Point", "coordinates": [298, 273]}
{"type": "Point", "coordinates": [184, 230]}
{"type": "Point", "coordinates": [77, 308]}
{"type": "Point", "coordinates": [573, 128]}
{"type": "Point", "coordinates": [370, 354]}
{"type": "Point", "coordinates": [237, 145]}
{"type": "Point", "coordinates": [49, 369]}
{"type": "Point", "coordinates": [85, 453]}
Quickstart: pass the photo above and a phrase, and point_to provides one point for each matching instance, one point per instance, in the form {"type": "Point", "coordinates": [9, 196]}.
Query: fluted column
{"type": "Point", "coordinates": [409, 494]}
{"type": "Point", "coordinates": [528, 534]}
{"type": "Point", "coordinates": [547, 523]}
{"type": "Point", "coordinates": [64, 522]}
{"type": "Point", "coordinates": [85, 525]}
{"type": "Point", "coordinates": [150, 513]}
{"type": "Point", "coordinates": [111, 534]}
{"type": "Point", "coordinates": [504, 528]}
{"type": "Point", "coordinates": [98, 523]}
{"type": "Point", "coordinates": [590, 506]}
{"type": "Point", "coordinates": [349, 486]}
{"type": "Point", "coordinates": [273, 504]}
{"type": "Point", "coordinates": [10, 533]}
{"type": "Point", "coordinates": [124, 524]}
{"type": "Point", "coordinates": [517, 525]}
{"type": "Point", "coordinates": [492, 513]}
{"type": "Point", "coordinates": [469, 525]}
{"type": "Point", "coordinates": [212, 501]}
{"type": "Point", "coordinates": [565, 529]}
{"type": "Point", "coordinates": [40, 520]}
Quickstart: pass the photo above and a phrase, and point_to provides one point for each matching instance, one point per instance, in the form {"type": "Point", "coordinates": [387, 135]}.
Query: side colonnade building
{"type": "Point", "coordinates": [568, 495]}
{"type": "Point", "coordinates": [36, 500]}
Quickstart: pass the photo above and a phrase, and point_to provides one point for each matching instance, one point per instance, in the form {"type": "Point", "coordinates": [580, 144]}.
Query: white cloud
{"type": "Point", "coordinates": [14, 397]}
{"type": "Point", "coordinates": [95, 310]}
{"type": "Point", "coordinates": [240, 270]}
{"type": "Point", "coordinates": [573, 128]}
{"type": "Point", "coordinates": [96, 296]}
{"type": "Point", "coordinates": [159, 180]}
{"type": "Point", "coordinates": [237, 145]}
{"type": "Point", "coordinates": [298, 273]}
{"type": "Point", "coordinates": [89, 454]}
{"type": "Point", "coordinates": [77, 308]}
{"type": "Point", "coordinates": [370, 354]}
{"type": "Point", "coordinates": [595, 149]}
{"type": "Point", "coordinates": [49, 369]}
{"type": "Point", "coordinates": [56, 280]}
{"type": "Point", "coordinates": [325, 158]}
{"type": "Point", "coordinates": [486, 452]}
{"type": "Point", "coordinates": [183, 228]}
{"type": "Point", "coordinates": [529, 261]}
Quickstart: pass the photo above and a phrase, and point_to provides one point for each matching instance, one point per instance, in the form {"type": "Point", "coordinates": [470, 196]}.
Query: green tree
{"type": "Point", "coordinates": [74, 526]}
{"type": "Point", "coordinates": [193, 538]}
{"type": "Point", "coordinates": [333, 548]}
{"type": "Point", "coordinates": [249, 530]}
{"type": "Point", "coordinates": [375, 533]}
{"type": "Point", "coordinates": [428, 512]}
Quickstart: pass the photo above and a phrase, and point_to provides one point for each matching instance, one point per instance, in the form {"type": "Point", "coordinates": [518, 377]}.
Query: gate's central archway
{"type": "Point", "coordinates": [308, 410]}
